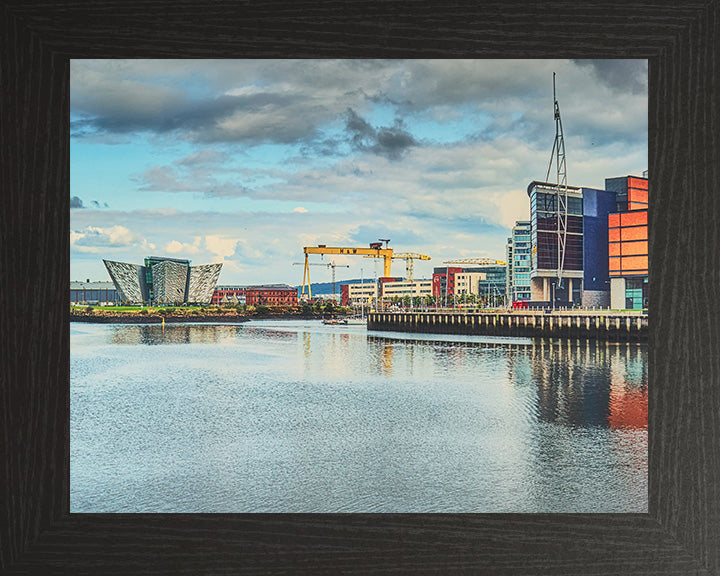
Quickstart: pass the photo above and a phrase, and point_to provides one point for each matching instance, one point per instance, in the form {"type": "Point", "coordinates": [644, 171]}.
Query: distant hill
{"type": "Point", "coordinates": [325, 288]}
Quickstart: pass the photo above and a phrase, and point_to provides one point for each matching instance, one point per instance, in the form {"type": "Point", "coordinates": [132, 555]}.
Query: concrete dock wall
{"type": "Point", "coordinates": [615, 327]}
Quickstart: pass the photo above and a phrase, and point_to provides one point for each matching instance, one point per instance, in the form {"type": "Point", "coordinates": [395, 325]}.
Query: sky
{"type": "Point", "coordinates": [245, 162]}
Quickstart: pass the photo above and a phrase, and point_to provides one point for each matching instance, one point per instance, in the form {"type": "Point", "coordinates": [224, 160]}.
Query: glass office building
{"type": "Point", "coordinates": [554, 247]}
{"type": "Point", "coordinates": [518, 259]}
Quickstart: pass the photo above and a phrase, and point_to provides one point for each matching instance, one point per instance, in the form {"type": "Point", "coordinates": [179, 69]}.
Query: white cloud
{"type": "Point", "coordinates": [93, 238]}
{"type": "Point", "coordinates": [300, 210]}
{"type": "Point", "coordinates": [512, 206]}
{"type": "Point", "coordinates": [221, 247]}
{"type": "Point", "coordinates": [176, 247]}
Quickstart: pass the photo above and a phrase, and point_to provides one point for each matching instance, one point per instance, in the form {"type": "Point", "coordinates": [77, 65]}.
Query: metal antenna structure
{"type": "Point", "coordinates": [558, 153]}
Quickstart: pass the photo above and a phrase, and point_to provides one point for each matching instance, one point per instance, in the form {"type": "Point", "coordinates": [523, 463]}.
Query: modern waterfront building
{"type": "Point", "coordinates": [100, 293]}
{"type": "Point", "coordinates": [358, 293]}
{"type": "Point", "coordinates": [384, 289]}
{"type": "Point", "coordinates": [444, 282]}
{"type": "Point", "coordinates": [573, 250]}
{"type": "Point", "coordinates": [597, 204]}
{"type": "Point", "coordinates": [508, 268]}
{"type": "Point", "coordinates": [163, 281]}
{"type": "Point", "coordinates": [486, 281]}
{"type": "Point", "coordinates": [553, 247]}
{"type": "Point", "coordinates": [469, 282]}
{"type": "Point", "coordinates": [404, 288]}
{"type": "Point", "coordinates": [492, 287]}
{"type": "Point", "coordinates": [517, 281]}
{"type": "Point", "coordinates": [628, 243]}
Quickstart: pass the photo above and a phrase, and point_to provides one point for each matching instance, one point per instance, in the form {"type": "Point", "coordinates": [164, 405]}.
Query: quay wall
{"type": "Point", "coordinates": [613, 327]}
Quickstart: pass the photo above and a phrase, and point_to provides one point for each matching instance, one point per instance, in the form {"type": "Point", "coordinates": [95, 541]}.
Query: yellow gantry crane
{"type": "Point", "coordinates": [409, 258]}
{"type": "Point", "coordinates": [375, 250]}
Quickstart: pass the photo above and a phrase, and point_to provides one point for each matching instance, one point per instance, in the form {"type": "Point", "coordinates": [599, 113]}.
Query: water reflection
{"type": "Point", "coordinates": [589, 383]}
{"type": "Point", "coordinates": [155, 334]}
{"type": "Point", "coordinates": [577, 383]}
{"type": "Point", "coordinates": [300, 417]}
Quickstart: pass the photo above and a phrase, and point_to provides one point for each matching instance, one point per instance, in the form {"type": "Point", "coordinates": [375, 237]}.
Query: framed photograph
{"type": "Point", "coordinates": [622, 477]}
{"type": "Point", "coordinates": [507, 373]}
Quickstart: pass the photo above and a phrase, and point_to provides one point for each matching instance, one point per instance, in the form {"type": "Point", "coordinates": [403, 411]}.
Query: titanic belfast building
{"type": "Point", "coordinates": [164, 281]}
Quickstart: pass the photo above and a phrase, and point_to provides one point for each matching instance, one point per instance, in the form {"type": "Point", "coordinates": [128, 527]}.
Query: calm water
{"type": "Point", "coordinates": [300, 417]}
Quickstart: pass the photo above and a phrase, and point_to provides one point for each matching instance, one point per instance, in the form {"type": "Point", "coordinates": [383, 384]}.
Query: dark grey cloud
{"type": "Point", "coordinates": [389, 141]}
{"type": "Point", "coordinates": [362, 134]}
{"type": "Point", "coordinates": [202, 157]}
{"type": "Point", "coordinates": [296, 101]}
{"type": "Point", "coordinates": [76, 202]}
{"type": "Point", "coordinates": [162, 178]}
{"type": "Point", "coordinates": [259, 117]}
{"type": "Point", "coordinates": [621, 75]}
{"type": "Point", "coordinates": [324, 147]}
{"type": "Point", "coordinates": [168, 179]}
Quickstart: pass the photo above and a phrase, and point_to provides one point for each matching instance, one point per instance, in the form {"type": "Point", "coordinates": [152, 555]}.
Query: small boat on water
{"type": "Point", "coordinates": [349, 320]}
{"type": "Point", "coordinates": [334, 321]}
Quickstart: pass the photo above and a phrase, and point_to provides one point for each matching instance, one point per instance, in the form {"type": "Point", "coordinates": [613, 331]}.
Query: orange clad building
{"type": "Point", "coordinates": [628, 243]}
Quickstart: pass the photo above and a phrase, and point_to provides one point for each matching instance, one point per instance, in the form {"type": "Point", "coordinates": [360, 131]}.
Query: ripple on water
{"type": "Point", "coordinates": [300, 417]}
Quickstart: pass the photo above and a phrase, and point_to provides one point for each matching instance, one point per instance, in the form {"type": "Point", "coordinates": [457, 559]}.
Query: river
{"type": "Point", "coordinates": [295, 416]}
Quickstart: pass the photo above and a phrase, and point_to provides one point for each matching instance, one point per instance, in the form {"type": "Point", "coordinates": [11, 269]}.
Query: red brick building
{"type": "Point", "coordinates": [271, 295]}
{"type": "Point", "coordinates": [231, 293]}
{"type": "Point", "coordinates": [268, 295]}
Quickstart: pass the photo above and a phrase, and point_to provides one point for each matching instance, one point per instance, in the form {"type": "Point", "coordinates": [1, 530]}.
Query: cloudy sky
{"type": "Point", "coordinates": [246, 161]}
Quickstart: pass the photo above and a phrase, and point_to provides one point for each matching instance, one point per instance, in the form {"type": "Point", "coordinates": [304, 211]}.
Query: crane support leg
{"type": "Point", "coordinates": [387, 268]}
{"type": "Point", "coordinates": [306, 278]}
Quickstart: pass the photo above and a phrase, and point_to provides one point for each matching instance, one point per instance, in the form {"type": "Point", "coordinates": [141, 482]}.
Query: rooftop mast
{"type": "Point", "coordinates": [558, 153]}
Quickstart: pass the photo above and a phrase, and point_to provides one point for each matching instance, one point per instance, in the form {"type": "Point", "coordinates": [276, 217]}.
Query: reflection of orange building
{"type": "Point", "coordinates": [628, 408]}
{"type": "Point", "coordinates": [628, 242]}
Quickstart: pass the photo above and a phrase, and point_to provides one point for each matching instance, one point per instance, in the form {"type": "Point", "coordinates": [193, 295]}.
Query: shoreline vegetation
{"type": "Point", "coordinates": [243, 313]}
{"type": "Point", "coordinates": [175, 314]}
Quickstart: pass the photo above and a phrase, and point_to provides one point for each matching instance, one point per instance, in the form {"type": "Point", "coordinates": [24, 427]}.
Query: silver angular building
{"type": "Point", "coordinates": [164, 281]}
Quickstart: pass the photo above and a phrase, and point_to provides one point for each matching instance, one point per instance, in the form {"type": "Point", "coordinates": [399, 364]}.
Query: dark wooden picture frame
{"type": "Point", "coordinates": [681, 532]}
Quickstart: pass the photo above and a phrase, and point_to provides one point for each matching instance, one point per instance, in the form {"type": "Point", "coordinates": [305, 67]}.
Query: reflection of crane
{"type": "Point", "coordinates": [328, 265]}
{"type": "Point", "coordinates": [478, 261]}
{"type": "Point", "coordinates": [409, 257]}
{"type": "Point", "coordinates": [375, 251]}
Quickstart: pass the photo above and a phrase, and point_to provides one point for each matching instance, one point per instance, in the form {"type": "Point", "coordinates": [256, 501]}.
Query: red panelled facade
{"type": "Point", "coordinates": [637, 193]}
{"type": "Point", "coordinates": [628, 239]}
{"type": "Point", "coordinates": [444, 282]}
